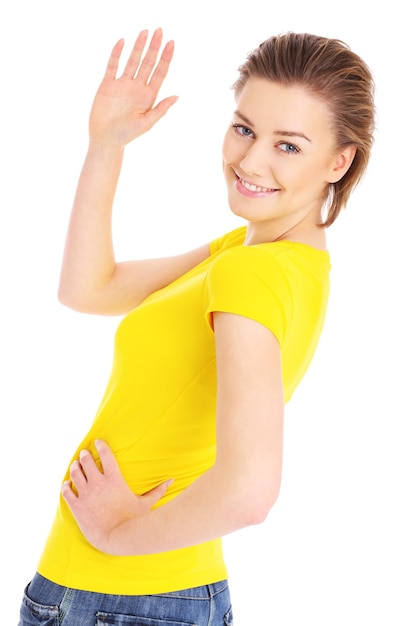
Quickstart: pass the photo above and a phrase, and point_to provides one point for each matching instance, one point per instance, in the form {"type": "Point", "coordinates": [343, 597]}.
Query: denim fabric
{"type": "Point", "coordinates": [47, 604]}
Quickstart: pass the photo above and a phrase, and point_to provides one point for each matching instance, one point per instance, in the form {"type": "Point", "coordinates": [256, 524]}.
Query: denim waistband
{"type": "Point", "coordinates": [48, 592]}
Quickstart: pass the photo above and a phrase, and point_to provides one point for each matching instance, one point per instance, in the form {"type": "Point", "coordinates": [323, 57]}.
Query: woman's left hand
{"type": "Point", "coordinates": [101, 501]}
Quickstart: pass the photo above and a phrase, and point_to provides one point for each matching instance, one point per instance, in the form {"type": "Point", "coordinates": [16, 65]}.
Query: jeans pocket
{"type": "Point", "coordinates": [117, 619]}
{"type": "Point", "coordinates": [228, 618]}
{"type": "Point", "coordinates": [34, 614]}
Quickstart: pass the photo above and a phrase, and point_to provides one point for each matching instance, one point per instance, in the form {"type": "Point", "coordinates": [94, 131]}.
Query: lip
{"type": "Point", "coordinates": [246, 188]}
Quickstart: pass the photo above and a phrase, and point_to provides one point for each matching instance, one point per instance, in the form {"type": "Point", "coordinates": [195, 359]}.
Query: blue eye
{"type": "Point", "coordinates": [289, 148]}
{"type": "Point", "coordinates": [242, 130]}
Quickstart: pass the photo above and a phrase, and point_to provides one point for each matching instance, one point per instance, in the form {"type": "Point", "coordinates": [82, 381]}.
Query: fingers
{"type": "Point", "coordinates": [134, 66]}
{"type": "Point", "coordinates": [82, 471]}
{"type": "Point", "coordinates": [71, 489]}
{"type": "Point", "coordinates": [113, 64]}
{"type": "Point", "coordinates": [107, 458]}
{"type": "Point", "coordinates": [136, 55]}
{"type": "Point", "coordinates": [147, 66]}
{"type": "Point", "coordinates": [88, 465]}
{"type": "Point", "coordinates": [162, 68]}
{"type": "Point", "coordinates": [68, 493]}
{"type": "Point", "coordinates": [144, 69]}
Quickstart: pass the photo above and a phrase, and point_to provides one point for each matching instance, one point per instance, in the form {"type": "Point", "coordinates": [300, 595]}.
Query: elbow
{"type": "Point", "coordinates": [73, 301]}
{"type": "Point", "coordinates": [255, 507]}
{"type": "Point", "coordinates": [67, 299]}
{"type": "Point", "coordinates": [63, 298]}
{"type": "Point", "coordinates": [260, 511]}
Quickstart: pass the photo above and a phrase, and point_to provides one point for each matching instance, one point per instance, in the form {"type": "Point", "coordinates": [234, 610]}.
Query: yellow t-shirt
{"type": "Point", "coordinates": [158, 411]}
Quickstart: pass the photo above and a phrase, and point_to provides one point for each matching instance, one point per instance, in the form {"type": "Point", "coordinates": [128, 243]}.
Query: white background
{"type": "Point", "coordinates": [340, 546]}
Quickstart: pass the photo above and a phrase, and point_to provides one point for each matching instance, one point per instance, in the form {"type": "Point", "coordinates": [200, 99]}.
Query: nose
{"type": "Point", "coordinates": [255, 160]}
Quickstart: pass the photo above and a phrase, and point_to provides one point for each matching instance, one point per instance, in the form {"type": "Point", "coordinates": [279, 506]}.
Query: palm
{"type": "Point", "coordinates": [124, 107]}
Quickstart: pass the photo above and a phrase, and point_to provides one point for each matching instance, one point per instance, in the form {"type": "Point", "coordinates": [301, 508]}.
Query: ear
{"type": "Point", "coordinates": [341, 164]}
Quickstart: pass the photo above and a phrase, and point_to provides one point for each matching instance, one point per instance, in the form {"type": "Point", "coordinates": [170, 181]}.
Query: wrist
{"type": "Point", "coordinates": [101, 146]}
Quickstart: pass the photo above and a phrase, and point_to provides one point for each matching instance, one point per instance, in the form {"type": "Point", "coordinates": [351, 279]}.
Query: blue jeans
{"type": "Point", "coordinates": [47, 604]}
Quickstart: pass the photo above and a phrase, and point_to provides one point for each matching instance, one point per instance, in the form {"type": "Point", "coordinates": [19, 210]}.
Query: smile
{"type": "Point", "coordinates": [254, 188]}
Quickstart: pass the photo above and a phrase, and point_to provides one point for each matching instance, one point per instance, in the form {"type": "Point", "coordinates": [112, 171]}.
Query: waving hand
{"type": "Point", "coordinates": [124, 107]}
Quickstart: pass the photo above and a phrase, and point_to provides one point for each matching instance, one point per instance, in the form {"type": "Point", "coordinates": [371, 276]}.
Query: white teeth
{"type": "Point", "coordinates": [251, 187]}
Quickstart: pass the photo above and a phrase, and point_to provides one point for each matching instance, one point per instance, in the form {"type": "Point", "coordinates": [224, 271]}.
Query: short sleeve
{"type": "Point", "coordinates": [229, 240]}
{"type": "Point", "coordinates": [248, 281]}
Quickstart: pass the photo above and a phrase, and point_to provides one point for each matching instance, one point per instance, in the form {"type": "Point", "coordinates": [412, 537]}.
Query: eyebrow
{"type": "Point", "coordinates": [283, 133]}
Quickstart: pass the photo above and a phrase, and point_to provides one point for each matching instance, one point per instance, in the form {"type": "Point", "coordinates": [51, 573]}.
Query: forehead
{"type": "Point", "coordinates": [268, 103]}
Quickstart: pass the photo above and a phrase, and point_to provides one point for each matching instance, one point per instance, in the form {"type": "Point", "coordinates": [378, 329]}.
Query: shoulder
{"type": "Point", "coordinates": [268, 283]}
{"type": "Point", "coordinates": [229, 240]}
{"type": "Point", "coordinates": [270, 276]}
{"type": "Point", "coordinates": [274, 263]}
{"type": "Point", "coordinates": [247, 281]}
{"type": "Point", "coordinates": [241, 262]}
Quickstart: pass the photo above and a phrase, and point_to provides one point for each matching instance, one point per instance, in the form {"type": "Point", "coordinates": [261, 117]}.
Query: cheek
{"type": "Point", "coordinates": [232, 147]}
{"type": "Point", "coordinates": [226, 149]}
{"type": "Point", "coordinates": [304, 175]}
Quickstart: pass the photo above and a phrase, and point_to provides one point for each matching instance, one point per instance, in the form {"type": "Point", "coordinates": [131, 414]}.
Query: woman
{"type": "Point", "coordinates": [186, 446]}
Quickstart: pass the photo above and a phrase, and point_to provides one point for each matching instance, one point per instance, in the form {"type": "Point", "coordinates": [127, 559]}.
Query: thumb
{"type": "Point", "coordinates": [154, 495]}
{"type": "Point", "coordinates": [154, 115]}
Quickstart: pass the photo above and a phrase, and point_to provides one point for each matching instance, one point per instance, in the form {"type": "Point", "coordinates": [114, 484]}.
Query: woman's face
{"type": "Point", "coordinates": [279, 156]}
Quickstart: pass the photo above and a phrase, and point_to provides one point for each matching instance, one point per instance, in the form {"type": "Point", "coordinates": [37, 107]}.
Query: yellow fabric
{"type": "Point", "coordinates": [158, 411]}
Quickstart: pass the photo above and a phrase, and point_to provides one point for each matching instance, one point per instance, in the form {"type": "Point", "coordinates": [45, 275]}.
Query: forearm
{"type": "Point", "coordinates": [215, 505]}
{"type": "Point", "coordinates": [242, 486]}
{"type": "Point", "coordinates": [88, 261]}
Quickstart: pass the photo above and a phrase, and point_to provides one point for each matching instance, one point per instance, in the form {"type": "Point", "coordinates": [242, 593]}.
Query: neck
{"type": "Point", "coordinates": [306, 231]}
{"type": "Point", "coordinates": [301, 233]}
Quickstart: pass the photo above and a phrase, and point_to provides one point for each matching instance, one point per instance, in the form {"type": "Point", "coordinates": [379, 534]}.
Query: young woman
{"type": "Point", "coordinates": [186, 446]}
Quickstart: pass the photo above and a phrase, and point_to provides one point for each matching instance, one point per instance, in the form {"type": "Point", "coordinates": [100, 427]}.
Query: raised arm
{"type": "Point", "coordinates": [123, 109]}
{"type": "Point", "coordinates": [237, 491]}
